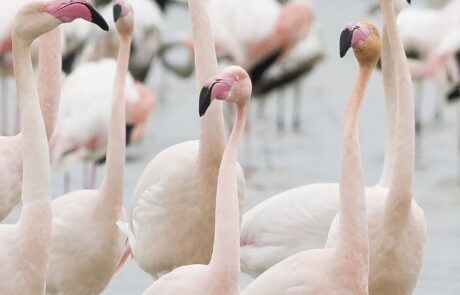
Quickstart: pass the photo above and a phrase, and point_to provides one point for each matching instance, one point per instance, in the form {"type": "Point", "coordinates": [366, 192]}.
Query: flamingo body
{"type": "Point", "coordinates": [396, 273]}
{"type": "Point", "coordinates": [185, 234]}
{"type": "Point", "coordinates": [78, 224]}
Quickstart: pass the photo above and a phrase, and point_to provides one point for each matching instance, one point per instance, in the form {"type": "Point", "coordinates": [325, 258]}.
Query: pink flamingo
{"type": "Point", "coordinates": [395, 216]}
{"type": "Point", "coordinates": [343, 269]}
{"type": "Point", "coordinates": [86, 242]}
{"type": "Point", "coordinates": [11, 156]}
{"type": "Point", "coordinates": [276, 228]}
{"type": "Point", "coordinates": [84, 115]}
{"type": "Point", "coordinates": [172, 216]}
{"type": "Point", "coordinates": [221, 275]}
{"type": "Point", "coordinates": [25, 245]}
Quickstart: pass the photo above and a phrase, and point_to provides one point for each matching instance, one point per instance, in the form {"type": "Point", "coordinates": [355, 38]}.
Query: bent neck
{"type": "Point", "coordinates": [112, 186]}
{"type": "Point", "coordinates": [352, 232]}
{"type": "Point", "coordinates": [212, 134]}
{"type": "Point", "coordinates": [36, 163]}
{"type": "Point", "coordinates": [226, 251]}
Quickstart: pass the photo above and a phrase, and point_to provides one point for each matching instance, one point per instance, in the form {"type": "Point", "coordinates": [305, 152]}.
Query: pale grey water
{"type": "Point", "coordinates": [280, 161]}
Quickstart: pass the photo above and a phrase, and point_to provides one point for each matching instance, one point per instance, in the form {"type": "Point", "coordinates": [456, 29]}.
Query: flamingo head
{"type": "Point", "coordinates": [364, 38]}
{"type": "Point", "coordinates": [232, 85]}
{"type": "Point", "coordinates": [123, 17]}
{"type": "Point", "coordinates": [37, 18]}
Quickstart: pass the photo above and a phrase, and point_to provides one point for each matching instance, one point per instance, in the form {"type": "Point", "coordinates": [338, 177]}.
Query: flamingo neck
{"type": "Point", "coordinates": [36, 163]}
{"type": "Point", "coordinates": [352, 232]}
{"type": "Point", "coordinates": [226, 251]}
{"type": "Point", "coordinates": [112, 186]}
{"type": "Point", "coordinates": [399, 199]}
{"type": "Point", "coordinates": [389, 86]}
{"type": "Point", "coordinates": [212, 134]}
{"type": "Point", "coordinates": [49, 78]}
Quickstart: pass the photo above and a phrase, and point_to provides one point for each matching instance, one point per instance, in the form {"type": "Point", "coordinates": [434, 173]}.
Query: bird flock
{"type": "Point", "coordinates": [185, 227]}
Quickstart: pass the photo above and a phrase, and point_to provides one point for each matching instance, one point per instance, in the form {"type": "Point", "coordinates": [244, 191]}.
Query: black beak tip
{"type": "Point", "coordinates": [345, 41]}
{"type": "Point", "coordinates": [409, 1]}
{"type": "Point", "coordinates": [205, 100]}
{"type": "Point", "coordinates": [96, 18]}
{"type": "Point", "coordinates": [117, 12]}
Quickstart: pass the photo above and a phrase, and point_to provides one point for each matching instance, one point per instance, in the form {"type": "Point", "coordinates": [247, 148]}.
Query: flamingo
{"type": "Point", "coordinates": [394, 267]}
{"type": "Point", "coordinates": [343, 269]}
{"type": "Point", "coordinates": [11, 172]}
{"type": "Point", "coordinates": [221, 275]}
{"type": "Point", "coordinates": [146, 42]}
{"type": "Point", "coordinates": [276, 228]}
{"type": "Point", "coordinates": [173, 204]}
{"type": "Point", "coordinates": [427, 34]}
{"type": "Point", "coordinates": [277, 45]}
{"type": "Point", "coordinates": [84, 114]}
{"type": "Point", "coordinates": [86, 242]}
{"type": "Point", "coordinates": [25, 245]}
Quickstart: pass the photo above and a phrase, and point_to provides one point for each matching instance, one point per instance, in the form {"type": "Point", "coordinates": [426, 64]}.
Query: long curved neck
{"type": "Point", "coordinates": [400, 191]}
{"type": "Point", "coordinates": [36, 163]}
{"type": "Point", "coordinates": [352, 232]}
{"type": "Point", "coordinates": [112, 185]}
{"type": "Point", "coordinates": [226, 251]}
{"type": "Point", "coordinates": [389, 86]}
{"type": "Point", "coordinates": [212, 135]}
{"type": "Point", "coordinates": [49, 77]}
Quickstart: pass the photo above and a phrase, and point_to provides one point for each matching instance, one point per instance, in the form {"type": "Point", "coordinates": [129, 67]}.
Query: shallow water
{"type": "Point", "coordinates": [275, 161]}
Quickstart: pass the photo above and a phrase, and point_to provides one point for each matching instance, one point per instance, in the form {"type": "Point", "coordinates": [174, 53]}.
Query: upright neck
{"type": "Point", "coordinates": [390, 87]}
{"type": "Point", "coordinates": [36, 163]}
{"type": "Point", "coordinates": [112, 186]}
{"type": "Point", "coordinates": [226, 256]}
{"type": "Point", "coordinates": [49, 78]}
{"type": "Point", "coordinates": [352, 234]}
{"type": "Point", "coordinates": [400, 191]}
{"type": "Point", "coordinates": [212, 136]}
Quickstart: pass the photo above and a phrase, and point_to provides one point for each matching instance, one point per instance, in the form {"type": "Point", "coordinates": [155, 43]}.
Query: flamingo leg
{"type": "Point", "coordinates": [262, 106]}
{"type": "Point", "coordinates": [93, 175]}
{"type": "Point", "coordinates": [84, 182]}
{"type": "Point", "coordinates": [280, 108]}
{"type": "Point", "coordinates": [418, 106]}
{"type": "Point", "coordinates": [439, 103]}
{"type": "Point", "coordinates": [458, 144]}
{"type": "Point", "coordinates": [66, 182]}
{"type": "Point", "coordinates": [17, 123]}
{"type": "Point", "coordinates": [297, 104]}
{"type": "Point", "coordinates": [4, 107]}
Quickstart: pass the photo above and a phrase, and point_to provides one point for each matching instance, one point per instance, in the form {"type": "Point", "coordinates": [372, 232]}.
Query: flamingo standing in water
{"type": "Point", "coordinates": [25, 245]}
{"type": "Point", "coordinates": [84, 114]}
{"type": "Point", "coordinates": [221, 275]}
{"type": "Point", "coordinates": [276, 228]}
{"type": "Point", "coordinates": [269, 43]}
{"type": "Point", "coordinates": [86, 242]}
{"type": "Point", "coordinates": [343, 269]}
{"type": "Point", "coordinates": [173, 205]}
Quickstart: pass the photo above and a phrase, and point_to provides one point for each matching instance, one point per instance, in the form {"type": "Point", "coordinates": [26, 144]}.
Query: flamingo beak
{"type": "Point", "coordinates": [66, 11]}
{"type": "Point", "coordinates": [346, 38]}
{"type": "Point", "coordinates": [205, 99]}
{"type": "Point", "coordinates": [215, 88]}
{"type": "Point", "coordinates": [409, 1]}
{"type": "Point", "coordinates": [97, 18]}
{"type": "Point", "coordinates": [117, 9]}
